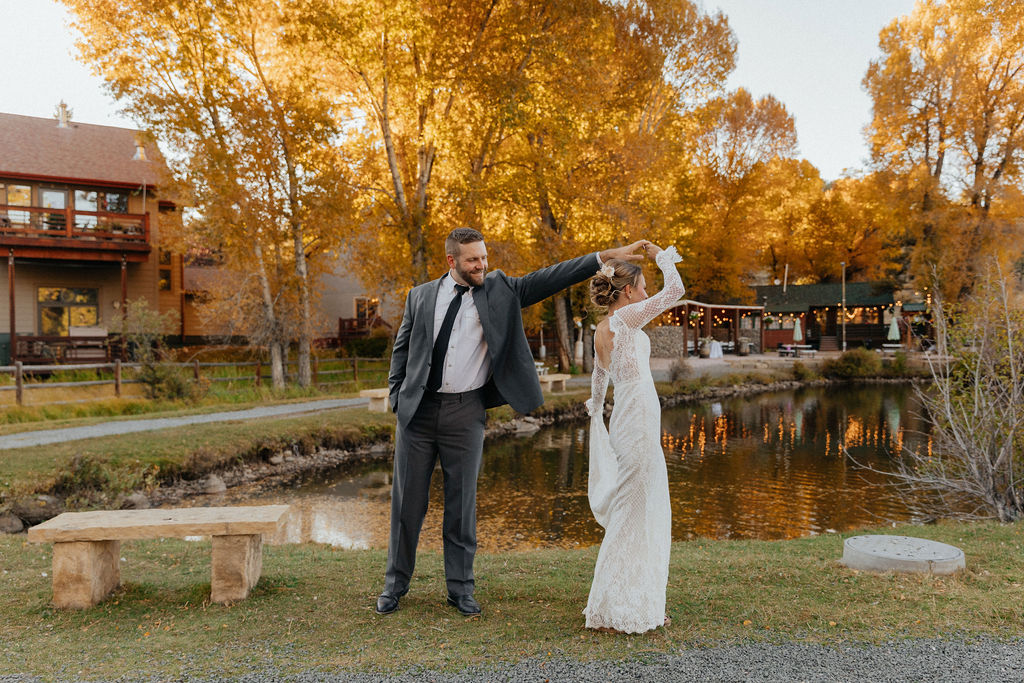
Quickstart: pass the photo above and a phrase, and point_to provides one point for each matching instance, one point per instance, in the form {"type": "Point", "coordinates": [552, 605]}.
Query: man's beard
{"type": "Point", "coordinates": [475, 279]}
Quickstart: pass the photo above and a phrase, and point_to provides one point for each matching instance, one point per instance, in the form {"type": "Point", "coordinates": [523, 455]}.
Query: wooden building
{"type": "Point", "coordinates": [80, 220]}
{"type": "Point", "coordinates": [824, 316]}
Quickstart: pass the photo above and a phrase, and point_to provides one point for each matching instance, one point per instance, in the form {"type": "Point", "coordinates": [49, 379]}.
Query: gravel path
{"type": "Point", "coordinates": [974, 661]}
{"type": "Point", "coordinates": [47, 436]}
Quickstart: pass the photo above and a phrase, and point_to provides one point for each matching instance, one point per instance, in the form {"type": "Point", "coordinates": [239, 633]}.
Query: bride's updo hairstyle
{"type": "Point", "coordinates": [606, 287]}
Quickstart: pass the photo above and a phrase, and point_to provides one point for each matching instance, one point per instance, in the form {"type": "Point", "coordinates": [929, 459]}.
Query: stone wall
{"type": "Point", "coordinates": [666, 341]}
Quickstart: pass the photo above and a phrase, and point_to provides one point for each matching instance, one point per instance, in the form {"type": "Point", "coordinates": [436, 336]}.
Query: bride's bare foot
{"type": "Point", "coordinates": [668, 621]}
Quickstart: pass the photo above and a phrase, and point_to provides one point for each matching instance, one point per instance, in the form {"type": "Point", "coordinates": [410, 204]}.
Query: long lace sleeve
{"type": "Point", "coordinates": [598, 389]}
{"type": "Point", "coordinates": [603, 469]}
{"type": "Point", "coordinates": [642, 312]}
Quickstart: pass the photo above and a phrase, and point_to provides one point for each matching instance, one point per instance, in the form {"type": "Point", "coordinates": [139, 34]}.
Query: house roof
{"type": "Point", "coordinates": [40, 149]}
{"type": "Point", "coordinates": [801, 298]}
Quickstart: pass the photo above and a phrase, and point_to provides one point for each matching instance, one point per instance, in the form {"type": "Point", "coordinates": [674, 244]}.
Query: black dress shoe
{"type": "Point", "coordinates": [387, 603]}
{"type": "Point", "coordinates": [467, 606]}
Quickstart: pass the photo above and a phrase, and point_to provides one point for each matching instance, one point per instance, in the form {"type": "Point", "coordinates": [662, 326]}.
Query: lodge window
{"type": "Point", "coordinates": [54, 199]}
{"type": "Point", "coordinates": [16, 195]}
{"type": "Point", "coordinates": [366, 308]}
{"type": "Point", "coordinates": [164, 283]}
{"type": "Point", "coordinates": [115, 202]}
{"type": "Point", "coordinates": [61, 308]}
{"type": "Point", "coordinates": [86, 200]}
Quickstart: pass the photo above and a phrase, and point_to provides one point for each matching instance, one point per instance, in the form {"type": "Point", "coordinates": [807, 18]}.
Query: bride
{"type": "Point", "coordinates": [628, 485]}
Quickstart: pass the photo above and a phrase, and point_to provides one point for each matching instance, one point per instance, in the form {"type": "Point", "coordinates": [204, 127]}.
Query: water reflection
{"type": "Point", "coordinates": [772, 466]}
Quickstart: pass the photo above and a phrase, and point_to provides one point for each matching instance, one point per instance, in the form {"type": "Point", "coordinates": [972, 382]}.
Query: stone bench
{"type": "Point", "coordinates": [380, 399]}
{"type": "Point", "coordinates": [87, 547]}
{"type": "Point", "coordinates": [554, 382]}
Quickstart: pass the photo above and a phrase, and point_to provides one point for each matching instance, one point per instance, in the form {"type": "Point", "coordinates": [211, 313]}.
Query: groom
{"type": "Point", "coordinates": [460, 349]}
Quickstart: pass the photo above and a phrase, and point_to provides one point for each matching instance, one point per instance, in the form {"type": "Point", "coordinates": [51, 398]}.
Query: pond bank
{"type": "Point", "coordinates": [279, 451]}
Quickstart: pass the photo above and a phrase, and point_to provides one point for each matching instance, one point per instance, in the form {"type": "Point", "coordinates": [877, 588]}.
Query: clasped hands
{"type": "Point", "coordinates": [625, 253]}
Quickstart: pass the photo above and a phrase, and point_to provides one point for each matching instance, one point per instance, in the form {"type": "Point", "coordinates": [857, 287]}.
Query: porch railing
{"type": "Point", "coordinates": [33, 221]}
{"type": "Point", "coordinates": [64, 350]}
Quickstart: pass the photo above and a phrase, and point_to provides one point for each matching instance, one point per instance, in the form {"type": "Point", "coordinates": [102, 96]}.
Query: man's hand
{"type": "Point", "coordinates": [625, 253]}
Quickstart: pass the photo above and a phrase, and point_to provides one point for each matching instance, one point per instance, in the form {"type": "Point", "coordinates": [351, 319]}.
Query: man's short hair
{"type": "Point", "coordinates": [461, 236]}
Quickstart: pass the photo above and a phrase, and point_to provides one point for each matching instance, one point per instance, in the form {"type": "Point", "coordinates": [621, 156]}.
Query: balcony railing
{"type": "Point", "coordinates": [32, 221]}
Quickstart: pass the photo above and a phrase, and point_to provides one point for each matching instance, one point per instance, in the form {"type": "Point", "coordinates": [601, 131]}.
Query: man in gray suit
{"type": "Point", "coordinates": [454, 357]}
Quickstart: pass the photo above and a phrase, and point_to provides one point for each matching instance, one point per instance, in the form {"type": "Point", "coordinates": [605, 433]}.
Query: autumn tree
{"type": "Point", "coordinates": [948, 116]}
{"type": "Point", "coordinates": [737, 141]}
{"type": "Point", "coordinates": [249, 132]}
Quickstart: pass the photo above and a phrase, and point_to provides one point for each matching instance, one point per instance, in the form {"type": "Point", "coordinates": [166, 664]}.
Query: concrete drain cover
{"type": "Point", "coordinates": [901, 554]}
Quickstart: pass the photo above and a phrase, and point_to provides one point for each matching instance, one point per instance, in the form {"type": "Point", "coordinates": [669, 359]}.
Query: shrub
{"type": "Point", "coordinates": [852, 364]}
{"type": "Point", "coordinates": [802, 373]}
{"type": "Point", "coordinates": [679, 370]}
{"type": "Point", "coordinates": [368, 347]}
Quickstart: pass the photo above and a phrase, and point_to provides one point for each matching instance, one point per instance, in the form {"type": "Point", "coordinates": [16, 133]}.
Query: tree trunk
{"type": "Point", "coordinates": [270, 320]}
{"type": "Point", "coordinates": [563, 327]}
{"type": "Point", "coordinates": [305, 309]}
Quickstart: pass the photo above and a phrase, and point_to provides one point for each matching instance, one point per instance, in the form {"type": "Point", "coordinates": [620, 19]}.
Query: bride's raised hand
{"type": "Point", "coordinates": [651, 249]}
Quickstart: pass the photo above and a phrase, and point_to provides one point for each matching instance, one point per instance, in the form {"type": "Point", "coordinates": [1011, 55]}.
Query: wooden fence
{"type": "Point", "coordinates": [325, 373]}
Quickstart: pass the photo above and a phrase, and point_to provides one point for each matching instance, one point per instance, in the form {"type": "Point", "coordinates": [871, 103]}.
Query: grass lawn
{"type": "Point", "coordinates": [312, 609]}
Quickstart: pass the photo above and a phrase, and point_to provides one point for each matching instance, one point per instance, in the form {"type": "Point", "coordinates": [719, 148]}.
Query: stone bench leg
{"type": "Point", "coordinates": [84, 572]}
{"type": "Point", "coordinates": [237, 563]}
{"type": "Point", "coordinates": [558, 385]}
{"type": "Point", "coordinates": [379, 405]}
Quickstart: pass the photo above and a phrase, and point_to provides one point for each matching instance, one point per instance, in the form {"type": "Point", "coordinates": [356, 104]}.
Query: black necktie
{"type": "Point", "coordinates": [441, 344]}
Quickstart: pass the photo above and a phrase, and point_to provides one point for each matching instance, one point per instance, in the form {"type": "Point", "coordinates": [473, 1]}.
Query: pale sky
{"type": "Point", "coordinates": [810, 54]}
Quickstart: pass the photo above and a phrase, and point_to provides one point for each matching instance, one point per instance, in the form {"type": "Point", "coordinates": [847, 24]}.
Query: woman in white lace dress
{"type": "Point", "coordinates": [628, 485]}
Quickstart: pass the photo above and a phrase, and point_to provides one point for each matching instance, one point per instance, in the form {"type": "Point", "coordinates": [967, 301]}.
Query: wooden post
{"type": "Point", "coordinates": [686, 330]}
{"type": "Point", "coordinates": [736, 331]}
{"type": "Point", "coordinates": [18, 383]}
{"type": "Point", "coordinates": [195, 368]}
{"type": "Point", "coordinates": [259, 373]}
{"type": "Point", "coordinates": [117, 377]}
{"type": "Point", "coordinates": [316, 371]}
{"type": "Point", "coordinates": [124, 284]}
{"type": "Point", "coordinates": [10, 295]}
{"type": "Point", "coordinates": [355, 369]}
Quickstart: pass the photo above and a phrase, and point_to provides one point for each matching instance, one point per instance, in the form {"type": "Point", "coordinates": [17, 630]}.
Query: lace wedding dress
{"type": "Point", "coordinates": [628, 485]}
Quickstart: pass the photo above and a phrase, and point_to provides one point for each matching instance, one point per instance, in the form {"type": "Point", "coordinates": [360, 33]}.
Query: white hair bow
{"type": "Point", "coordinates": [608, 271]}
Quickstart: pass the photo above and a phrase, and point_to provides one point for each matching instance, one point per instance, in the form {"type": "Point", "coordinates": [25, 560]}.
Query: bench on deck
{"type": "Point", "coordinates": [891, 348]}
{"type": "Point", "coordinates": [87, 547]}
{"type": "Point", "coordinates": [380, 399]}
{"type": "Point", "coordinates": [554, 382]}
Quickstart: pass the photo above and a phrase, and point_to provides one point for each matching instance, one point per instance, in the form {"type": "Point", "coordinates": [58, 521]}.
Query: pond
{"type": "Point", "coordinates": [770, 466]}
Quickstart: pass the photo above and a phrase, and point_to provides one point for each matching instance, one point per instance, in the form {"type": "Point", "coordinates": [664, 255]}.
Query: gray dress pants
{"type": "Point", "coordinates": [449, 427]}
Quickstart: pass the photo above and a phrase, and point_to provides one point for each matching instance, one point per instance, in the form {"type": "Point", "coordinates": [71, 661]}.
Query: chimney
{"type": "Point", "coordinates": [63, 115]}
{"type": "Point", "coordinates": [140, 151]}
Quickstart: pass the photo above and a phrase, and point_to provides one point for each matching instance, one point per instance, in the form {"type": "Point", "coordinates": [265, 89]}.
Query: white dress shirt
{"type": "Point", "coordinates": [467, 365]}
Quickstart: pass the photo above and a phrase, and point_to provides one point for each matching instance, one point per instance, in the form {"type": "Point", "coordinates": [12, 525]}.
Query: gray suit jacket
{"type": "Point", "coordinates": [499, 302]}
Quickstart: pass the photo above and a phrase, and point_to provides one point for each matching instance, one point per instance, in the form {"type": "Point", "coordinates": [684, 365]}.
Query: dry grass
{"type": "Point", "coordinates": [313, 607]}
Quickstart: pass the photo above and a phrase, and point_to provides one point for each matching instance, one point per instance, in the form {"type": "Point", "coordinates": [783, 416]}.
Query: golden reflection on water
{"type": "Point", "coordinates": [773, 466]}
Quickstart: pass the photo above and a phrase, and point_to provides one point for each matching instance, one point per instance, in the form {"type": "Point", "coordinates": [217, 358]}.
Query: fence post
{"type": "Point", "coordinates": [117, 377]}
{"type": "Point", "coordinates": [195, 368]}
{"type": "Point", "coordinates": [316, 371]}
{"type": "Point", "coordinates": [18, 382]}
{"type": "Point", "coordinates": [355, 369]}
{"type": "Point", "coordinates": [259, 372]}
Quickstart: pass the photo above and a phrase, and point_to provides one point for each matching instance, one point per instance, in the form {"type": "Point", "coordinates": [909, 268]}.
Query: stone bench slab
{"type": "Point", "coordinates": [86, 547]}
{"type": "Point", "coordinates": [122, 525]}
{"type": "Point", "coordinates": [380, 399]}
{"type": "Point", "coordinates": [556, 381]}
